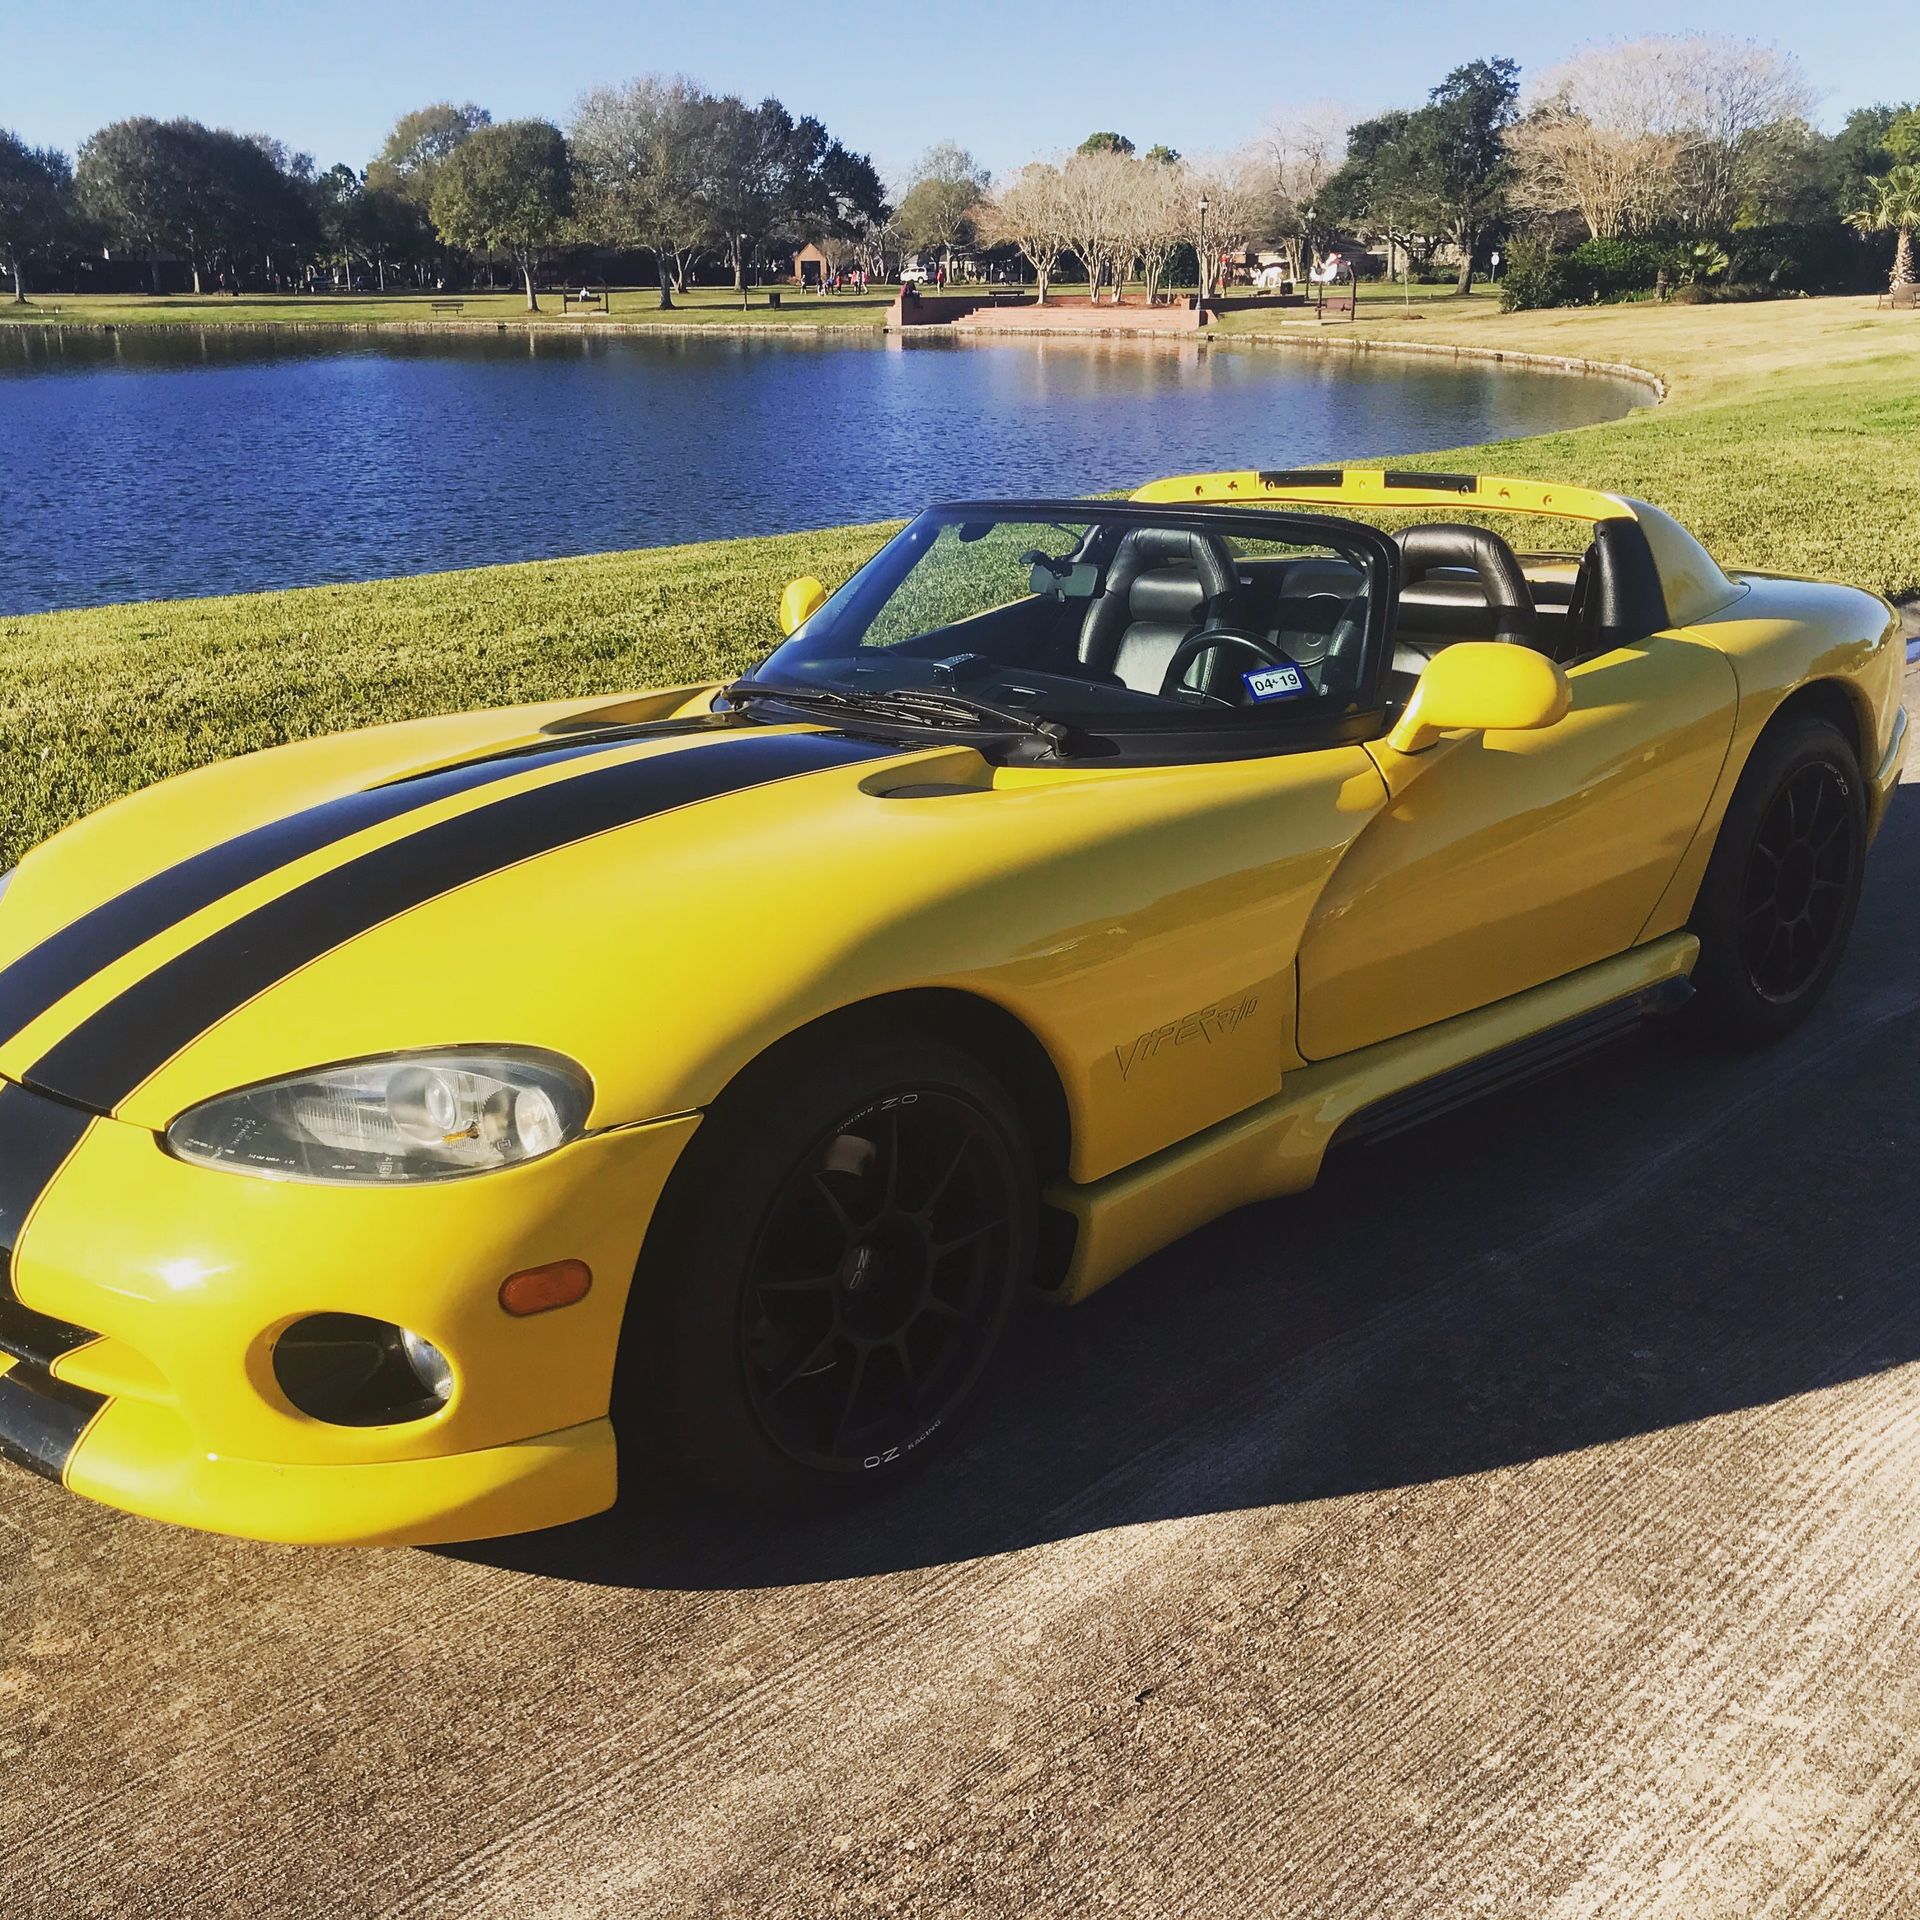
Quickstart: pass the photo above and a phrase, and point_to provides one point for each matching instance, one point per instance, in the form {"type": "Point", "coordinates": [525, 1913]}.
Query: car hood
{"type": "Point", "coordinates": [160, 933]}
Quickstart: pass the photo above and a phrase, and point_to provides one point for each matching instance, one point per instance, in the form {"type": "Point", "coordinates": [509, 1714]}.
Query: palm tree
{"type": "Point", "coordinates": [1893, 204]}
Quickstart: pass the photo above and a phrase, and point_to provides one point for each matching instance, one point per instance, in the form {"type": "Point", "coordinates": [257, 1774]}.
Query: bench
{"type": "Point", "coordinates": [582, 300]}
{"type": "Point", "coordinates": [1336, 304]}
{"type": "Point", "coordinates": [1904, 296]}
{"type": "Point", "coordinates": [449, 306]}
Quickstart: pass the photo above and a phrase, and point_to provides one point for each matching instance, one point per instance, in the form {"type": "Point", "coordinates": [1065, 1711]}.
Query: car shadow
{"type": "Point", "coordinates": [1661, 1235]}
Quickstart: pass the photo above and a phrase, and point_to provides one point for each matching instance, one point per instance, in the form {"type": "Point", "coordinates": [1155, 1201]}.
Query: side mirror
{"type": "Point", "coordinates": [1482, 685]}
{"type": "Point", "coordinates": [801, 600]}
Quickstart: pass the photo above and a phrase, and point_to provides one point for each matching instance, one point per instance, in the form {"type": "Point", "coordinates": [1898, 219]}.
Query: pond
{"type": "Point", "coordinates": [152, 463]}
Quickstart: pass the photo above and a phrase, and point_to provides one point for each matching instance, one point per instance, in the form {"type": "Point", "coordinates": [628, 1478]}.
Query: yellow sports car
{"type": "Point", "coordinates": [401, 1131]}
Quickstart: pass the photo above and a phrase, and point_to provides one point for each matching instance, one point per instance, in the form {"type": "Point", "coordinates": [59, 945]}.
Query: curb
{"type": "Point", "coordinates": [1436, 349]}
{"type": "Point", "coordinates": [548, 329]}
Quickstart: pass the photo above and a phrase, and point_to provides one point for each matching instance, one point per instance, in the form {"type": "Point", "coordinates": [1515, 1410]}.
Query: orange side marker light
{"type": "Point", "coordinates": [541, 1289]}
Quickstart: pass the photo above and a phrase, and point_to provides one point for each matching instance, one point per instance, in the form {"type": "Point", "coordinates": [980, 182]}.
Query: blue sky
{"type": "Point", "coordinates": [1007, 80]}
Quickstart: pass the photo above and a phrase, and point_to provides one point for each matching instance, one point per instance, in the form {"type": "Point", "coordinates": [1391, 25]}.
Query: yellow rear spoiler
{"type": "Point", "coordinates": [1375, 487]}
{"type": "Point", "coordinates": [1690, 577]}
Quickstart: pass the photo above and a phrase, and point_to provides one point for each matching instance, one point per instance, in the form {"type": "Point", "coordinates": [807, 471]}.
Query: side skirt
{"type": "Point", "coordinates": [1277, 1147]}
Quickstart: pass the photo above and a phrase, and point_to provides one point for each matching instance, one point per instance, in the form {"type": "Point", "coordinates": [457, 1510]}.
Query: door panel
{"type": "Point", "coordinates": [1508, 859]}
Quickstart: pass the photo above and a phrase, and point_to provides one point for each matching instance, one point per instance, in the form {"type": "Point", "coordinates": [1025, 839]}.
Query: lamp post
{"type": "Point", "coordinates": [1204, 275]}
{"type": "Point", "coordinates": [743, 269]}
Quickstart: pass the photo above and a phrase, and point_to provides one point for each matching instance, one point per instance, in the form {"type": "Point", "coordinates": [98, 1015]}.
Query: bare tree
{"type": "Point", "coordinates": [1307, 146]}
{"type": "Point", "coordinates": [1731, 91]}
{"type": "Point", "coordinates": [1227, 204]}
{"type": "Point", "coordinates": [1157, 203]}
{"type": "Point", "coordinates": [1093, 188]}
{"type": "Point", "coordinates": [1614, 178]}
{"type": "Point", "coordinates": [1029, 212]}
{"type": "Point", "coordinates": [1672, 125]}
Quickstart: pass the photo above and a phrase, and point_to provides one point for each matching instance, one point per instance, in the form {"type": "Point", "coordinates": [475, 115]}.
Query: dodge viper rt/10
{"type": "Point", "coordinates": [401, 1130]}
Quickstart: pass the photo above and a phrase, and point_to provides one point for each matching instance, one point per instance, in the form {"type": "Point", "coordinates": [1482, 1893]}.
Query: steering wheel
{"type": "Point", "coordinates": [1195, 644]}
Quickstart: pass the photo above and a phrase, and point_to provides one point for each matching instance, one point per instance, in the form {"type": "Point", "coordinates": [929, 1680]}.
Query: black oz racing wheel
{"type": "Point", "coordinates": [833, 1266]}
{"type": "Point", "coordinates": [1781, 890]}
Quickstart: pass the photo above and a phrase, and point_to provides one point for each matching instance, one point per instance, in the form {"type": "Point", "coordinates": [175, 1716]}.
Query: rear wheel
{"type": "Point", "coordinates": [1781, 890]}
{"type": "Point", "coordinates": [832, 1268]}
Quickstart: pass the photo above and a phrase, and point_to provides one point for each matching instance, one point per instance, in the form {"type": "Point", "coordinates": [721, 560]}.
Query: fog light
{"type": "Point", "coordinates": [431, 1367]}
{"type": "Point", "coordinates": [352, 1371]}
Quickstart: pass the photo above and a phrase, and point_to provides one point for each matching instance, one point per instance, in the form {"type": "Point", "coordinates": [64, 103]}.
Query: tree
{"type": "Point", "coordinates": [1307, 146]}
{"type": "Point", "coordinates": [506, 189]}
{"type": "Point", "coordinates": [1226, 205]}
{"type": "Point", "coordinates": [639, 151]}
{"type": "Point", "coordinates": [1105, 143]}
{"type": "Point", "coordinates": [126, 182]}
{"type": "Point", "coordinates": [1093, 188]}
{"type": "Point", "coordinates": [36, 187]}
{"type": "Point", "coordinates": [1157, 220]}
{"type": "Point", "coordinates": [937, 209]}
{"type": "Point", "coordinates": [337, 197]}
{"type": "Point", "coordinates": [359, 222]}
{"type": "Point", "coordinates": [1697, 129]}
{"type": "Point", "coordinates": [768, 172]}
{"type": "Point", "coordinates": [1162, 155]}
{"type": "Point", "coordinates": [1601, 139]}
{"type": "Point", "coordinates": [1030, 213]}
{"type": "Point", "coordinates": [419, 145]}
{"type": "Point", "coordinates": [1725, 92]}
{"type": "Point", "coordinates": [1858, 153]}
{"type": "Point", "coordinates": [1454, 158]}
{"type": "Point", "coordinates": [1894, 206]}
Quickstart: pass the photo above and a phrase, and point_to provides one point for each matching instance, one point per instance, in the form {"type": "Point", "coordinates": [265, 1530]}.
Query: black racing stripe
{"type": "Point", "coordinates": [36, 1136]}
{"type": "Point", "coordinates": [32, 983]}
{"type": "Point", "coordinates": [109, 1054]}
{"type": "Point", "coordinates": [41, 1418]}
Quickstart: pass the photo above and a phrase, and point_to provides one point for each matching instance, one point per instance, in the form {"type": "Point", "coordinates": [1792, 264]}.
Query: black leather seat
{"type": "Point", "coordinates": [1459, 583]}
{"type": "Point", "coordinates": [1160, 587]}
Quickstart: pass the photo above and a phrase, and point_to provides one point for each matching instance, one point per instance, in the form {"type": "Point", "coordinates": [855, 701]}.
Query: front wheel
{"type": "Point", "coordinates": [1780, 892]}
{"type": "Point", "coordinates": [833, 1266]}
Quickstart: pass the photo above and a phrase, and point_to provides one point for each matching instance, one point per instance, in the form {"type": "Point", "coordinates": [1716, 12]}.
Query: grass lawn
{"type": "Point", "coordinates": [1788, 441]}
{"type": "Point", "coordinates": [699, 306]}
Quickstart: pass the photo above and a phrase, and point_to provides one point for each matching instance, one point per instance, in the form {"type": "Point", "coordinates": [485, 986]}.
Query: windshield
{"type": "Point", "coordinates": [1100, 622]}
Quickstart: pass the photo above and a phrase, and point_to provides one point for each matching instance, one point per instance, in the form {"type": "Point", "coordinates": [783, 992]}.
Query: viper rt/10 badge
{"type": "Point", "coordinates": [1275, 683]}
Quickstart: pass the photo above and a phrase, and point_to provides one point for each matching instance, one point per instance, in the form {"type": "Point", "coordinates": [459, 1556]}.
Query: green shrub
{"type": "Point", "coordinates": [1535, 277]}
{"type": "Point", "coordinates": [1814, 257]}
{"type": "Point", "coordinates": [1611, 269]}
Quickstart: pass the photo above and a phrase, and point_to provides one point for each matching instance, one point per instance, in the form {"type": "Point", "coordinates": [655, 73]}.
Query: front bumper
{"type": "Point", "coordinates": [142, 1296]}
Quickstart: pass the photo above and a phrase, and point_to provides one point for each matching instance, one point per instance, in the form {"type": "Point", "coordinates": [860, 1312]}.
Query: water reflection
{"type": "Point", "coordinates": [149, 463]}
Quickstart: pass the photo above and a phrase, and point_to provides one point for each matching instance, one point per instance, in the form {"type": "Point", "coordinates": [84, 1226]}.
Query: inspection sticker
{"type": "Point", "coordinates": [1275, 683]}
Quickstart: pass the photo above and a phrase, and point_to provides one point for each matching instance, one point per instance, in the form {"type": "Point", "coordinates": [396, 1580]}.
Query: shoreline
{"type": "Point", "coordinates": [866, 331]}
{"type": "Point", "coordinates": [1784, 443]}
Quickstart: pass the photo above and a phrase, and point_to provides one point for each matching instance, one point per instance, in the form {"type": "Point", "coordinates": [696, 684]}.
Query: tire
{"type": "Point", "coordinates": [828, 1275]}
{"type": "Point", "coordinates": [1781, 890]}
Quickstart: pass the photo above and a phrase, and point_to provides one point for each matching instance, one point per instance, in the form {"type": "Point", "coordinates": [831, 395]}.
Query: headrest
{"type": "Point", "coordinates": [1501, 586]}
{"type": "Point", "coordinates": [1167, 593]}
{"type": "Point", "coordinates": [1153, 547]}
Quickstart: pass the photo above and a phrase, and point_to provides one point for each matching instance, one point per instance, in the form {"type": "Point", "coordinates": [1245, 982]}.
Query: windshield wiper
{"type": "Point", "coordinates": [913, 704]}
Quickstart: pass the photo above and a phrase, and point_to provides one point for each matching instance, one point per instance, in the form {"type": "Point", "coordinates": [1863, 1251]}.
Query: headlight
{"type": "Point", "coordinates": [407, 1117]}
